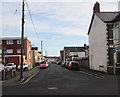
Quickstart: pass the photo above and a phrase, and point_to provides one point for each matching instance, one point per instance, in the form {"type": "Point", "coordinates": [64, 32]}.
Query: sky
{"type": "Point", "coordinates": [57, 23]}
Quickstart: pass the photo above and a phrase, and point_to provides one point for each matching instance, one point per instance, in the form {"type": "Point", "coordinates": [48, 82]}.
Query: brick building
{"type": "Point", "coordinates": [11, 50]}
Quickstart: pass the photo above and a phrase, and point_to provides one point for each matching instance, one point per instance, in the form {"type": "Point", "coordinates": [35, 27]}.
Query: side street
{"type": "Point", "coordinates": [87, 69]}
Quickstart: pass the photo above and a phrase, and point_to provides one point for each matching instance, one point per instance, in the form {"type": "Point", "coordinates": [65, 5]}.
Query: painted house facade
{"type": "Point", "coordinates": [11, 50]}
{"type": "Point", "coordinates": [101, 40]}
{"type": "Point", "coordinates": [36, 56]}
{"type": "Point", "coordinates": [72, 53]}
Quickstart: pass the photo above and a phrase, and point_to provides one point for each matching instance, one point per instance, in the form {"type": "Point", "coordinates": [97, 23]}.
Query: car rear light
{"type": "Point", "coordinates": [70, 65]}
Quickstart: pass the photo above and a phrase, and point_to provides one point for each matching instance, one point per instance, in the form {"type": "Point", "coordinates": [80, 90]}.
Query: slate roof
{"type": "Point", "coordinates": [117, 18]}
{"type": "Point", "coordinates": [107, 16]}
{"type": "Point", "coordinates": [74, 49]}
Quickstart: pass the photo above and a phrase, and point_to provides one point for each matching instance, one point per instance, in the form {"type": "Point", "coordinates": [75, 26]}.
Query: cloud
{"type": "Point", "coordinates": [64, 18]}
{"type": "Point", "coordinates": [61, 0]}
{"type": "Point", "coordinates": [56, 37]}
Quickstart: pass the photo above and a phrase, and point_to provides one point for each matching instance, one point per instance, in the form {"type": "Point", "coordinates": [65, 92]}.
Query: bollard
{"type": "Point", "coordinates": [3, 75]}
{"type": "Point", "coordinates": [13, 73]}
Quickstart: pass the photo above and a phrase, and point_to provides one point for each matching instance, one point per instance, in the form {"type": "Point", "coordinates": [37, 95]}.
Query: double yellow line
{"type": "Point", "coordinates": [29, 78]}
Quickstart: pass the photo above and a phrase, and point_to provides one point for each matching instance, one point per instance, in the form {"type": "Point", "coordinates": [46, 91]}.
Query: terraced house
{"type": "Point", "coordinates": [11, 50]}
{"type": "Point", "coordinates": [104, 41]}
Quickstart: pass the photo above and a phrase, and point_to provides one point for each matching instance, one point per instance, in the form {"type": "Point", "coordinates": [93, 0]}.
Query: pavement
{"type": "Point", "coordinates": [97, 74]}
{"type": "Point", "coordinates": [27, 75]}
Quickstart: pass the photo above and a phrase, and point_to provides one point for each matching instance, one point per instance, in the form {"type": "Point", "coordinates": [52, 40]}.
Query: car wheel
{"type": "Point", "coordinates": [26, 69]}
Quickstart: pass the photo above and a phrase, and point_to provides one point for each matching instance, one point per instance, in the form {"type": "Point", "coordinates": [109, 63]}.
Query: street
{"type": "Point", "coordinates": [57, 80]}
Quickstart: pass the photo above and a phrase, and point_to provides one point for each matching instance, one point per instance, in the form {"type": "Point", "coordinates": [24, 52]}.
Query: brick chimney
{"type": "Point", "coordinates": [96, 7]}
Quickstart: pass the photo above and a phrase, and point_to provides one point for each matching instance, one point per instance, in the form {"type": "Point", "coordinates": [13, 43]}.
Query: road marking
{"type": "Point", "coordinates": [28, 79]}
{"type": "Point", "coordinates": [95, 75]}
{"type": "Point", "coordinates": [52, 88]}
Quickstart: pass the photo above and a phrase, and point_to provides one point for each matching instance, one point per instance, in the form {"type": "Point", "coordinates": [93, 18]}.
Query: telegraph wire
{"type": "Point", "coordinates": [32, 20]}
{"type": "Point", "coordinates": [13, 15]}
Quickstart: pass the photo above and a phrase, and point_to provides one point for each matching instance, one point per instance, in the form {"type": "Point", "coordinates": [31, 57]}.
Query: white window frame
{"type": "Point", "coordinates": [9, 41]}
{"type": "Point", "coordinates": [9, 51]}
{"type": "Point", "coordinates": [19, 41]}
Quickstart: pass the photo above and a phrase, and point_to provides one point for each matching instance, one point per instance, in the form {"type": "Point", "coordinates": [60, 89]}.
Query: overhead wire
{"type": "Point", "coordinates": [32, 20]}
{"type": "Point", "coordinates": [9, 22]}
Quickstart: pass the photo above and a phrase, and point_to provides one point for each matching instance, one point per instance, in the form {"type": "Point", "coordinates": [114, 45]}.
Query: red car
{"type": "Point", "coordinates": [73, 65]}
{"type": "Point", "coordinates": [44, 65]}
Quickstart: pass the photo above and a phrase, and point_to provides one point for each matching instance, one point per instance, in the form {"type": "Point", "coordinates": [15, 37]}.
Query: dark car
{"type": "Point", "coordinates": [59, 63]}
{"type": "Point", "coordinates": [73, 65]}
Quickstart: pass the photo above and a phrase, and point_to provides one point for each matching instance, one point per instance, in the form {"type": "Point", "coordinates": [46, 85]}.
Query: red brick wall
{"type": "Point", "coordinates": [15, 60]}
{"type": "Point", "coordinates": [16, 46]}
{"type": "Point", "coordinates": [27, 52]}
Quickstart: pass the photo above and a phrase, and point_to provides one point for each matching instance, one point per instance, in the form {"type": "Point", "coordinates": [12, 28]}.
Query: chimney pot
{"type": "Point", "coordinates": [96, 7]}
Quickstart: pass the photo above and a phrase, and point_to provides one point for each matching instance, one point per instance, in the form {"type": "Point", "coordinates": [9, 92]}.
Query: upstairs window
{"type": "Point", "coordinates": [0, 41]}
{"type": "Point", "coordinates": [9, 41]}
{"type": "Point", "coordinates": [19, 41]}
{"type": "Point", "coordinates": [0, 51]}
{"type": "Point", "coordinates": [116, 31]}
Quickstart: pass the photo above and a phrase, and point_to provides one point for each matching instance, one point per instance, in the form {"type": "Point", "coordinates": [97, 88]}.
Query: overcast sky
{"type": "Point", "coordinates": [57, 23]}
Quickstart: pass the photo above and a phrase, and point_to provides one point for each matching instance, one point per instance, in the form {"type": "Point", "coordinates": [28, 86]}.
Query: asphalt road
{"type": "Point", "coordinates": [57, 80]}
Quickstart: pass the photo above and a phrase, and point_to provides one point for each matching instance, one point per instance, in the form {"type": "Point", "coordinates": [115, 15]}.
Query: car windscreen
{"type": "Point", "coordinates": [9, 65]}
{"type": "Point", "coordinates": [74, 63]}
{"type": "Point", "coordinates": [43, 62]}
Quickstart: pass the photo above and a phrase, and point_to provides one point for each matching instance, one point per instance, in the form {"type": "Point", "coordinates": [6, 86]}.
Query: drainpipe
{"type": "Point", "coordinates": [114, 66]}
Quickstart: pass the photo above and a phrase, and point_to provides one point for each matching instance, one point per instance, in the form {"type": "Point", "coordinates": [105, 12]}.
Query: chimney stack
{"type": "Point", "coordinates": [96, 7]}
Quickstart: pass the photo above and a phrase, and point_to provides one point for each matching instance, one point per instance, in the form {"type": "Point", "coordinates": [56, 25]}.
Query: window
{"type": "Point", "coordinates": [0, 41]}
{"type": "Point", "coordinates": [18, 51]}
{"type": "Point", "coordinates": [0, 51]}
{"type": "Point", "coordinates": [118, 57]}
{"type": "Point", "coordinates": [116, 31]}
{"type": "Point", "coordinates": [18, 41]}
{"type": "Point", "coordinates": [9, 51]}
{"type": "Point", "coordinates": [9, 41]}
{"type": "Point", "coordinates": [0, 59]}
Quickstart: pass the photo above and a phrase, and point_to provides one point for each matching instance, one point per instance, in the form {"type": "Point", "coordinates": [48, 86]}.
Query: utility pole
{"type": "Point", "coordinates": [41, 48]}
{"type": "Point", "coordinates": [22, 42]}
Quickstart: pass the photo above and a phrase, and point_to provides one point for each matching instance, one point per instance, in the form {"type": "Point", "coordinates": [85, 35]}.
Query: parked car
{"type": "Point", "coordinates": [25, 67]}
{"type": "Point", "coordinates": [73, 65]}
{"type": "Point", "coordinates": [66, 64]}
{"type": "Point", "coordinates": [63, 63]}
{"type": "Point", "coordinates": [59, 63]}
{"type": "Point", "coordinates": [44, 64]}
{"type": "Point", "coordinates": [3, 68]}
{"type": "Point", "coordinates": [10, 66]}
